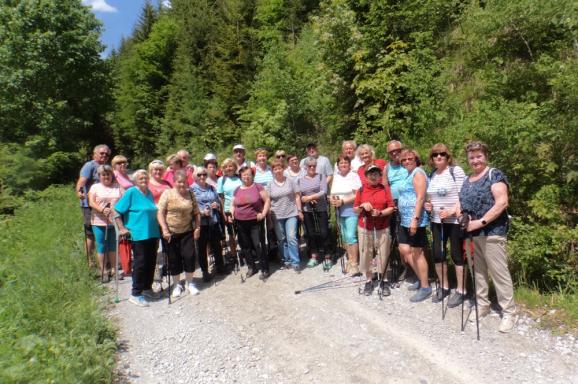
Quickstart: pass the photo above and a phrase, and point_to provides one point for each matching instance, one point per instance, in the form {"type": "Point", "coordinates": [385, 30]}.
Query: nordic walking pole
{"type": "Point", "coordinates": [168, 269]}
{"type": "Point", "coordinates": [442, 244]}
{"type": "Point", "coordinates": [471, 255]}
{"type": "Point", "coordinates": [237, 253]}
{"type": "Point", "coordinates": [339, 237]}
{"type": "Point", "coordinates": [117, 236]}
{"type": "Point", "coordinates": [377, 254]}
{"type": "Point", "coordinates": [105, 254]}
{"type": "Point", "coordinates": [464, 284]}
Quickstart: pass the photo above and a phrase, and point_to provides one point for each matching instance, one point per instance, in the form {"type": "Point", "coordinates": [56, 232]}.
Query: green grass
{"type": "Point", "coordinates": [555, 311]}
{"type": "Point", "coordinates": [52, 324]}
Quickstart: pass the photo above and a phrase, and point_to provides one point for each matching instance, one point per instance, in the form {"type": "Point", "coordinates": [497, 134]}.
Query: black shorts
{"type": "Point", "coordinates": [86, 213]}
{"type": "Point", "coordinates": [419, 240]}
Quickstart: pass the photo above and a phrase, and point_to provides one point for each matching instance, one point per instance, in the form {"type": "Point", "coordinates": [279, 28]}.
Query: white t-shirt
{"type": "Point", "coordinates": [345, 186]}
{"type": "Point", "coordinates": [444, 192]}
{"type": "Point", "coordinates": [355, 164]}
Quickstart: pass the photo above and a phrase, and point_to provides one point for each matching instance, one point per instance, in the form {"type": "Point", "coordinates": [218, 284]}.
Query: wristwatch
{"type": "Point", "coordinates": [484, 222]}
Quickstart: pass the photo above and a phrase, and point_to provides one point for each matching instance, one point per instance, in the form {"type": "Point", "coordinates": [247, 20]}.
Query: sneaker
{"type": "Point", "coordinates": [368, 288]}
{"type": "Point", "coordinates": [440, 295]}
{"type": "Point", "coordinates": [508, 322]}
{"type": "Point", "coordinates": [296, 268]}
{"type": "Point", "coordinates": [193, 290]}
{"type": "Point", "coordinates": [207, 277]}
{"type": "Point", "coordinates": [327, 264]}
{"type": "Point", "coordinates": [384, 287]}
{"type": "Point", "coordinates": [413, 286]}
{"type": "Point", "coordinates": [353, 270]}
{"type": "Point", "coordinates": [264, 275]}
{"type": "Point", "coordinates": [177, 291]}
{"type": "Point", "coordinates": [250, 272]}
{"type": "Point", "coordinates": [138, 300]}
{"type": "Point", "coordinates": [150, 294]}
{"type": "Point", "coordinates": [286, 265]}
{"type": "Point", "coordinates": [482, 312]}
{"type": "Point", "coordinates": [312, 263]}
{"type": "Point", "coordinates": [421, 295]}
{"type": "Point", "coordinates": [456, 299]}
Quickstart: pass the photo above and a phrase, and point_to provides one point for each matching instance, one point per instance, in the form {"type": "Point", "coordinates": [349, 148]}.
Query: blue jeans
{"type": "Point", "coordinates": [286, 231]}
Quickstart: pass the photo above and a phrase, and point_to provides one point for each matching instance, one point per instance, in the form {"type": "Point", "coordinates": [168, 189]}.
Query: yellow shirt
{"type": "Point", "coordinates": [179, 211]}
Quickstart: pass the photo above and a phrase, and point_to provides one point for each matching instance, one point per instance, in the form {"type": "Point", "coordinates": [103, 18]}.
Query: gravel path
{"type": "Point", "coordinates": [262, 332]}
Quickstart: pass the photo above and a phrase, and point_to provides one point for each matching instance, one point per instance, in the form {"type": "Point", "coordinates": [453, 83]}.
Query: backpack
{"type": "Point", "coordinates": [451, 172]}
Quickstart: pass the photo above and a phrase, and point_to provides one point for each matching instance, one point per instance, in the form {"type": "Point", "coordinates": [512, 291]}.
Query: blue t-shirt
{"type": "Point", "coordinates": [88, 171]}
{"type": "Point", "coordinates": [407, 200]}
{"type": "Point", "coordinates": [476, 199]}
{"type": "Point", "coordinates": [395, 175]}
{"type": "Point", "coordinates": [205, 197]}
{"type": "Point", "coordinates": [263, 177]}
{"type": "Point", "coordinates": [226, 185]}
{"type": "Point", "coordinates": [139, 214]}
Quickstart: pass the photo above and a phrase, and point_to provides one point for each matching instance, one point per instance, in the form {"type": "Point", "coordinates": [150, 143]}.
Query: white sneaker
{"type": "Point", "coordinates": [193, 290]}
{"type": "Point", "coordinates": [508, 322]}
{"type": "Point", "coordinates": [177, 291]}
{"type": "Point", "coordinates": [138, 300]}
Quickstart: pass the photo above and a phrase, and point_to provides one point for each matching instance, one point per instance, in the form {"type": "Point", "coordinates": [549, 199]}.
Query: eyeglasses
{"type": "Point", "coordinates": [442, 154]}
{"type": "Point", "coordinates": [202, 175]}
{"type": "Point", "coordinates": [239, 151]}
{"type": "Point", "coordinates": [312, 166]}
{"type": "Point", "coordinates": [394, 151]}
{"type": "Point", "coordinates": [280, 156]}
{"type": "Point", "coordinates": [408, 159]}
{"type": "Point", "coordinates": [122, 163]}
{"type": "Point", "coordinates": [104, 153]}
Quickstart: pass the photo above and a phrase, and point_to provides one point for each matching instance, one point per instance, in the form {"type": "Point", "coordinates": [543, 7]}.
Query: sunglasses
{"type": "Point", "coordinates": [104, 153]}
{"type": "Point", "coordinates": [202, 174]}
{"type": "Point", "coordinates": [312, 166]}
{"type": "Point", "coordinates": [394, 151]}
{"type": "Point", "coordinates": [280, 156]}
{"type": "Point", "coordinates": [442, 154]}
{"type": "Point", "coordinates": [408, 159]}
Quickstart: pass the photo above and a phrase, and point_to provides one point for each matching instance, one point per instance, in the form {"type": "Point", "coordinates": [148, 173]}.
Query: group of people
{"type": "Point", "coordinates": [378, 204]}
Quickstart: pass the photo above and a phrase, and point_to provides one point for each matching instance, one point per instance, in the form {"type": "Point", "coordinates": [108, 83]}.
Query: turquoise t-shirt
{"type": "Point", "coordinates": [396, 174]}
{"type": "Point", "coordinates": [226, 186]}
{"type": "Point", "coordinates": [139, 214]}
{"type": "Point", "coordinates": [407, 200]}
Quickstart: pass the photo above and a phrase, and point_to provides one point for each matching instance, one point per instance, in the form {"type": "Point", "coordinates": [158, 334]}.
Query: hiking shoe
{"type": "Point", "coordinates": [312, 263]}
{"type": "Point", "coordinates": [508, 322]}
{"type": "Point", "coordinates": [413, 286]}
{"type": "Point", "coordinates": [384, 287]}
{"type": "Point", "coordinates": [327, 264]}
{"type": "Point", "coordinates": [296, 268]}
{"type": "Point", "coordinates": [421, 295]}
{"type": "Point", "coordinates": [207, 277]}
{"type": "Point", "coordinates": [177, 291]}
{"type": "Point", "coordinates": [441, 294]}
{"type": "Point", "coordinates": [150, 294]}
{"type": "Point", "coordinates": [192, 288]}
{"type": "Point", "coordinates": [368, 288]}
{"type": "Point", "coordinates": [482, 312]}
{"type": "Point", "coordinates": [264, 275]}
{"type": "Point", "coordinates": [250, 272]}
{"type": "Point", "coordinates": [138, 300]}
{"type": "Point", "coordinates": [456, 299]}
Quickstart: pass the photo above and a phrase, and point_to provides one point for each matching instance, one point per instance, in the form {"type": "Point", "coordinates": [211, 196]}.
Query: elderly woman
{"type": "Point", "coordinates": [345, 185]}
{"type": "Point", "coordinates": [226, 185]}
{"type": "Point", "coordinates": [120, 165]}
{"type": "Point", "coordinates": [212, 169]}
{"type": "Point", "coordinates": [177, 211]}
{"type": "Point", "coordinates": [263, 174]}
{"type": "Point", "coordinates": [137, 218]}
{"type": "Point", "coordinates": [102, 197]}
{"type": "Point", "coordinates": [285, 211]}
{"type": "Point", "coordinates": [484, 198]}
{"type": "Point", "coordinates": [443, 193]}
{"type": "Point", "coordinates": [374, 205]}
{"type": "Point", "coordinates": [313, 188]}
{"type": "Point", "coordinates": [293, 171]}
{"type": "Point", "coordinates": [249, 207]}
{"type": "Point", "coordinates": [366, 154]}
{"type": "Point", "coordinates": [156, 183]}
{"type": "Point", "coordinates": [413, 222]}
{"type": "Point", "coordinates": [210, 209]}
{"type": "Point", "coordinates": [176, 164]}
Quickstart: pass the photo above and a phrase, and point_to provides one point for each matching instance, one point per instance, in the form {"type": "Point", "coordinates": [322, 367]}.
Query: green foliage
{"type": "Point", "coordinates": [53, 328]}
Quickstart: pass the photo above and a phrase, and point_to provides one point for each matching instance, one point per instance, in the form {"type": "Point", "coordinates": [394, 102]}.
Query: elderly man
{"type": "Point", "coordinates": [239, 157]}
{"type": "Point", "coordinates": [348, 148]}
{"type": "Point", "coordinates": [89, 176]}
{"type": "Point", "coordinates": [323, 163]}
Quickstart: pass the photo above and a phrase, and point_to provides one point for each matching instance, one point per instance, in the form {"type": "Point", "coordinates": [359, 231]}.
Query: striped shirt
{"type": "Point", "coordinates": [263, 177]}
{"type": "Point", "coordinates": [316, 185]}
{"type": "Point", "coordinates": [443, 192]}
{"type": "Point", "coordinates": [282, 196]}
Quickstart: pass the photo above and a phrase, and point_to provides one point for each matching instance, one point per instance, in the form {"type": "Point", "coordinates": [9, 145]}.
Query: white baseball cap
{"type": "Point", "coordinates": [209, 157]}
{"type": "Point", "coordinates": [238, 146]}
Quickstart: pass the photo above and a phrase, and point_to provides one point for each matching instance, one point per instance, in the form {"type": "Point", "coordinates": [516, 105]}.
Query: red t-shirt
{"type": "Point", "coordinates": [380, 198]}
{"type": "Point", "coordinates": [361, 170]}
{"type": "Point", "coordinates": [248, 202]}
{"type": "Point", "coordinates": [157, 190]}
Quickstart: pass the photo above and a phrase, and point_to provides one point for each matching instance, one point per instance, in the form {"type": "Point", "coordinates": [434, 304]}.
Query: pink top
{"type": "Point", "coordinates": [248, 202]}
{"type": "Point", "coordinates": [157, 190]}
{"type": "Point", "coordinates": [103, 196]}
{"type": "Point", "coordinates": [170, 175]}
{"type": "Point", "coordinates": [123, 180]}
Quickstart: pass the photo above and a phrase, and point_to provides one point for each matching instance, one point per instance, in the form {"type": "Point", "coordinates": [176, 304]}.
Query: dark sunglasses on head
{"type": "Point", "coordinates": [202, 174]}
{"type": "Point", "coordinates": [442, 154]}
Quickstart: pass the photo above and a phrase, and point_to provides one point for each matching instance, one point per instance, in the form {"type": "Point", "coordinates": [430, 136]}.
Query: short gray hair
{"type": "Point", "coordinates": [310, 160]}
{"type": "Point", "coordinates": [366, 147]}
{"type": "Point", "coordinates": [349, 142]}
{"type": "Point", "coordinates": [137, 173]}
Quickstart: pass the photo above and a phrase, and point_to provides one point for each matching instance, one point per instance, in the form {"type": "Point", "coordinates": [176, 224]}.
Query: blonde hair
{"type": "Point", "coordinates": [156, 164]}
{"type": "Point", "coordinates": [366, 147]}
{"type": "Point", "coordinates": [260, 151]}
{"type": "Point", "coordinates": [118, 159]}
{"type": "Point", "coordinates": [439, 147]}
{"type": "Point", "coordinates": [228, 161]}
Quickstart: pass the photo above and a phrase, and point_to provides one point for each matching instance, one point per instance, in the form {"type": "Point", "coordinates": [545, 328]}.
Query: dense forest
{"type": "Point", "coordinates": [204, 74]}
